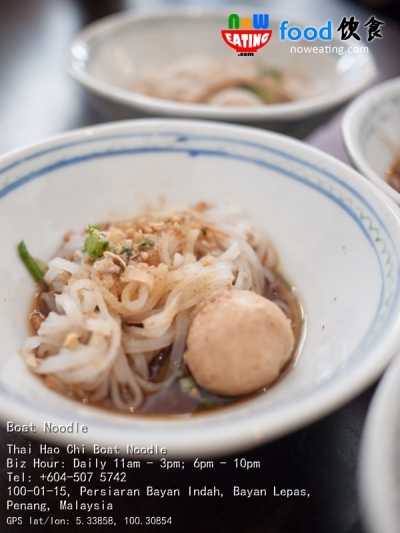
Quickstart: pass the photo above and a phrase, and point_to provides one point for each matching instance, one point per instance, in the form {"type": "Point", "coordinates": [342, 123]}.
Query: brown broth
{"type": "Point", "coordinates": [393, 175]}
{"type": "Point", "coordinates": [38, 306]}
{"type": "Point", "coordinates": [172, 400]}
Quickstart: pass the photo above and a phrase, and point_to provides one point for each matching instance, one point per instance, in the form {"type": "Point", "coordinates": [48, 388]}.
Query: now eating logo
{"type": "Point", "coordinates": [246, 34]}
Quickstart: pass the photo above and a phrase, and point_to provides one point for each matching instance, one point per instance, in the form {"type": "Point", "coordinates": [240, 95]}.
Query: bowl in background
{"type": "Point", "coordinates": [337, 237]}
{"type": "Point", "coordinates": [379, 480]}
{"type": "Point", "coordinates": [371, 133]}
{"type": "Point", "coordinates": [107, 57]}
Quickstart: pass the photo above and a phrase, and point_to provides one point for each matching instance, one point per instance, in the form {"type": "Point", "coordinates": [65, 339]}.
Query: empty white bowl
{"type": "Point", "coordinates": [107, 56]}
{"type": "Point", "coordinates": [371, 133]}
{"type": "Point", "coordinates": [337, 237]}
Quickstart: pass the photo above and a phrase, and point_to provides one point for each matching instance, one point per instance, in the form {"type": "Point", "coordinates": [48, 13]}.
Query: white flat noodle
{"type": "Point", "coordinates": [137, 304]}
{"type": "Point", "coordinates": [98, 324]}
{"type": "Point", "coordinates": [101, 337]}
{"type": "Point", "coordinates": [138, 344]}
{"type": "Point", "coordinates": [65, 303]}
{"type": "Point", "coordinates": [140, 362]}
{"type": "Point", "coordinates": [50, 301]}
{"type": "Point", "coordinates": [29, 345]}
{"type": "Point", "coordinates": [231, 253]}
{"type": "Point", "coordinates": [67, 359]}
{"type": "Point", "coordinates": [58, 263]}
{"type": "Point", "coordinates": [178, 260]}
{"type": "Point", "coordinates": [55, 326]}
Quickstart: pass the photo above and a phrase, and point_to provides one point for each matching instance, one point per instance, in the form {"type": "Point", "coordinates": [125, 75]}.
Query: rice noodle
{"type": "Point", "coordinates": [206, 80]}
{"type": "Point", "coordinates": [110, 316]}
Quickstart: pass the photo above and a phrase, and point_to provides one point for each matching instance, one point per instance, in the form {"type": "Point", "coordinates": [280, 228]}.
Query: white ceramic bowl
{"type": "Point", "coordinates": [106, 57]}
{"type": "Point", "coordinates": [380, 457]}
{"type": "Point", "coordinates": [337, 236]}
{"type": "Point", "coordinates": [371, 133]}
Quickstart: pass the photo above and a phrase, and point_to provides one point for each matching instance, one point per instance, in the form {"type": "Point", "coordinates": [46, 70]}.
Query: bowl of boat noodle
{"type": "Point", "coordinates": [371, 136]}
{"type": "Point", "coordinates": [190, 63]}
{"type": "Point", "coordinates": [198, 286]}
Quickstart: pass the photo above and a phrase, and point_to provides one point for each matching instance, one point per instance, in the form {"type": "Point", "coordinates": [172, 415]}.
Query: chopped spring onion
{"type": "Point", "coordinates": [187, 384]}
{"type": "Point", "coordinates": [264, 94]}
{"type": "Point", "coordinates": [120, 250]}
{"type": "Point", "coordinates": [206, 403]}
{"type": "Point", "coordinates": [146, 242]}
{"type": "Point", "coordinates": [273, 72]}
{"type": "Point", "coordinates": [95, 245]}
{"type": "Point", "coordinates": [36, 267]}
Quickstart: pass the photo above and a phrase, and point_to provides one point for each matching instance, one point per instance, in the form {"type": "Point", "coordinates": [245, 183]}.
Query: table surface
{"type": "Point", "coordinates": [38, 99]}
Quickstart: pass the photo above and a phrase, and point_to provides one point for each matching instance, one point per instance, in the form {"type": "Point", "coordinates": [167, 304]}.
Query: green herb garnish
{"type": "Point", "coordinates": [118, 249]}
{"type": "Point", "coordinates": [187, 384]}
{"type": "Point", "coordinates": [95, 245]}
{"type": "Point", "coordinates": [42, 266]}
{"type": "Point", "coordinates": [206, 403]}
{"type": "Point", "coordinates": [36, 267]}
{"type": "Point", "coordinates": [273, 72]}
{"type": "Point", "coordinates": [146, 242]}
{"type": "Point", "coordinates": [126, 250]}
{"type": "Point", "coordinates": [265, 94]}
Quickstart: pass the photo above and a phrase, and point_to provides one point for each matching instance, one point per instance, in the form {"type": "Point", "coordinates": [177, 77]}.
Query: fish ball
{"type": "Point", "coordinates": [238, 344]}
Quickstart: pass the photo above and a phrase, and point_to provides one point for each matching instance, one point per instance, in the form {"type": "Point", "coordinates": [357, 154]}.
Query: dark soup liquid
{"type": "Point", "coordinates": [393, 175]}
{"type": "Point", "coordinates": [183, 396]}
